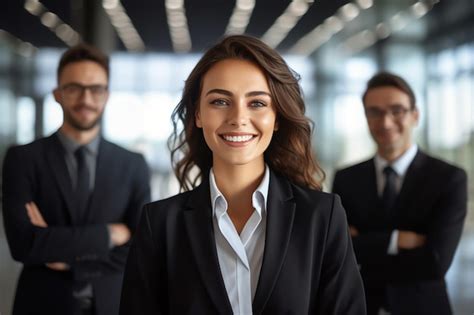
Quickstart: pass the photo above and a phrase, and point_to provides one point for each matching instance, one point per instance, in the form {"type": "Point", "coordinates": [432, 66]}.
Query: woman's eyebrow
{"type": "Point", "coordinates": [219, 91]}
{"type": "Point", "coordinates": [228, 93]}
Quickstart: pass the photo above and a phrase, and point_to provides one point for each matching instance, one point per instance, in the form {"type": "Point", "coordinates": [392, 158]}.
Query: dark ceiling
{"type": "Point", "coordinates": [207, 20]}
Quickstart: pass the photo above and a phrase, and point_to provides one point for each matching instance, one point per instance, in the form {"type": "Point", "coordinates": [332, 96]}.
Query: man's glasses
{"type": "Point", "coordinates": [75, 91]}
{"type": "Point", "coordinates": [394, 112]}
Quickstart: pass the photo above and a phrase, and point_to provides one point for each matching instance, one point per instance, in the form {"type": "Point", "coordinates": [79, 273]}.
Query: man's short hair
{"type": "Point", "coordinates": [387, 79]}
{"type": "Point", "coordinates": [83, 52]}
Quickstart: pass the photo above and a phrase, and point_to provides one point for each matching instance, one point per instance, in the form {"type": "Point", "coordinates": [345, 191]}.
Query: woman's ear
{"type": "Point", "coordinates": [197, 119]}
{"type": "Point", "coordinates": [277, 125]}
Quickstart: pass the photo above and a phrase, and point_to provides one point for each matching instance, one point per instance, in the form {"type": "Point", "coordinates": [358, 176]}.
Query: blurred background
{"type": "Point", "coordinates": [335, 45]}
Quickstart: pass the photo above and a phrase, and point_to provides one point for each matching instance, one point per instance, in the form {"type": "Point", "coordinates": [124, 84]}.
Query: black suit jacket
{"type": "Point", "coordinates": [432, 201]}
{"type": "Point", "coordinates": [37, 172]}
{"type": "Point", "coordinates": [308, 265]}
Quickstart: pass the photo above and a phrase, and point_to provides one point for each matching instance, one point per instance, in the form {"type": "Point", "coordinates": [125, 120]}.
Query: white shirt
{"type": "Point", "coordinates": [400, 166]}
{"type": "Point", "coordinates": [240, 256]}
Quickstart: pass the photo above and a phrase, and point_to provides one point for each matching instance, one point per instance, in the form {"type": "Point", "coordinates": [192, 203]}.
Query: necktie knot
{"type": "Point", "coordinates": [389, 171]}
{"type": "Point", "coordinates": [80, 153]}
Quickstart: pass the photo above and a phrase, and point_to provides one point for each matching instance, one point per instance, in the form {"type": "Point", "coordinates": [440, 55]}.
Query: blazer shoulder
{"type": "Point", "coordinates": [305, 198]}
{"type": "Point", "coordinates": [168, 206]}
{"type": "Point", "coordinates": [32, 149]}
{"type": "Point", "coordinates": [358, 167]}
{"type": "Point", "coordinates": [314, 200]}
{"type": "Point", "coordinates": [437, 169]}
{"type": "Point", "coordinates": [354, 171]}
{"type": "Point", "coordinates": [442, 168]}
{"type": "Point", "coordinates": [119, 151]}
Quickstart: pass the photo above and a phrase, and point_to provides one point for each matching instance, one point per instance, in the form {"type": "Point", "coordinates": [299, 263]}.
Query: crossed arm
{"type": "Point", "coordinates": [405, 240]}
{"type": "Point", "coordinates": [90, 250]}
{"type": "Point", "coordinates": [421, 256]}
{"type": "Point", "coordinates": [118, 232]}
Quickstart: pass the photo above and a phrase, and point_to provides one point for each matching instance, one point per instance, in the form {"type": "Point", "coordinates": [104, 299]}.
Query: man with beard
{"type": "Point", "coordinates": [405, 208]}
{"type": "Point", "coordinates": [72, 200]}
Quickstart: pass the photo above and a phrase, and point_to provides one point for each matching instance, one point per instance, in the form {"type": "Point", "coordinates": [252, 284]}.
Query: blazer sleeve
{"type": "Point", "coordinates": [341, 290]}
{"type": "Point", "coordinates": [145, 269]}
{"type": "Point", "coordinates": [30, 244]}
{"type": "Point", "coordinates": [433, 260]}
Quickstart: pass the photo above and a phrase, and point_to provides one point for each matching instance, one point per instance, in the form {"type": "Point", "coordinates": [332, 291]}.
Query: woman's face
{"type": "Point", "coordinates": [236, 113]}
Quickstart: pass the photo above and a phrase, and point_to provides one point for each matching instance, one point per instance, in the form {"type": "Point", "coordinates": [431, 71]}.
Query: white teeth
{"type": "Point", "coordinates": [238, 138]}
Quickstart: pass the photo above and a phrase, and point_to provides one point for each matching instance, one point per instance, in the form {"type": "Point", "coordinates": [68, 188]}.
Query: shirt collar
{"type": "Point", "coordinates": [259, 197]}
{"type": "Point", "coordinates": [400, 165]}
{"type": "Point", "coordinates": [70, 145]}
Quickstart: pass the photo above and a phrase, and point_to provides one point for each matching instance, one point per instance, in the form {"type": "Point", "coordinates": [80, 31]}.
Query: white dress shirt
{"type": "Point", "coordinates": [400, 166]}
{"type": "Point", "coordinates": [240, 256]}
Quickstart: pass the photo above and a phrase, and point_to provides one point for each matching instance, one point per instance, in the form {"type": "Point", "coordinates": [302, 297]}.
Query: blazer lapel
{"type": "Point", "coordinates": [198, 221]}
{"type": "Point", "coordinates": [55, 158]}
{"type": "Point", "coordinates": [280, 215]}
{"type": "Point", "coordinates": [412, 180]}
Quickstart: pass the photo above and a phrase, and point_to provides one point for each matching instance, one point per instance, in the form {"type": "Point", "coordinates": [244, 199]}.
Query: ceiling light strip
{"type": "Point", "coordinates": [50, 20]}
{"type": "Point", "coordinates": [21, 47]}
{"type": "Point", "coordinates": [397, 22]}
{"type": "Point", "coordinates": [240, 18]}
{"type": "Point", "coordinates": [331, 26]}
{"type": "Point", "coordinates": [178, 26]}
{"type": "Point", "coordinates": [286, 22]}
{"type": "Point", "coordinates": [123, 25]}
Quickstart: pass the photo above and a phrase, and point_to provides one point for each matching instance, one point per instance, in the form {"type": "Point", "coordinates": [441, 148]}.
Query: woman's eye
{"type": "Point", "coordinates": [258, 104]}
{"type": "Point", "coordinates": [220, 102]}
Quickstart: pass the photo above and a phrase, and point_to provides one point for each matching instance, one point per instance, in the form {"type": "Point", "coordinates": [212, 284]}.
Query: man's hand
{"type": "Point", "coordinates": [354, 231]}
{"type": "Point", "coordinates": [58, 266]}
{"type": "Point", "coordinates": [119, 233]}
{"type": "Point", "coordinates": [410, 240]}
{"type": "Point", "coordinates": [35, 215]}
{"type": "Point", "coordinates": [37, 220]}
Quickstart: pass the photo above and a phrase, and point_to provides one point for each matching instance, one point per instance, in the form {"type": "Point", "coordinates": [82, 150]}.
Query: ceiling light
{"type": "Point", "coordinates": [382, 31]}
{"type": "Point", "coordinates": [49, 19]}
{"type": "Point", "coordinates": [419, 9]}
{"type": "Point", "coordinates": [245, 5]}
{"type": "Point", "coordinates": [398, 21]}
{"type": "Point", "coordinates": [240, 17]}
{"type": "Point", "coordinates": [365, 4]}
{"type": "Point", "coordinates": [349, 12]}
{"type": "Point", "coordinates": [178, 25]}
{"type": "Point", "coordinates": [34, 7]}
{"type": "Point", "coordinates": [110, 4]}
{"type": "Point", "coordinates": [123, 25]}
{"type": "Point", "coordinates": [334, 24]}
{"type": "Point", "coordinates": [285, 23]}
{"type": "Point", "coordinates": [174, 4]}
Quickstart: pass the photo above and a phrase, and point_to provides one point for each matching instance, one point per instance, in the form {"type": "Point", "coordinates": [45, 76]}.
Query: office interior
{"type": "Point", "coordinates": [335, 46]}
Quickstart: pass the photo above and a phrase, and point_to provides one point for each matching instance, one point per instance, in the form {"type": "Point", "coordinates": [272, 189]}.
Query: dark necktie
{"type": "Point", "coordinates": [82, 184]}
{"type": "Point", "coordinates": [389, 191]}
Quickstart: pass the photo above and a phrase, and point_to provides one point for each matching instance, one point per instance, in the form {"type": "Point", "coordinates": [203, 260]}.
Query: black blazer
{"type": "Point", "coordinates": [37, 172]}
{"type": "Point", "coordinates": [432, 201]}
{"type": "Point", "coordinates": [308, 265]}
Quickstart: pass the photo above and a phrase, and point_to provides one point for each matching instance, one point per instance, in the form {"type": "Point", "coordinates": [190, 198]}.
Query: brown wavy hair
{"type": "Point", "coordinates": [289, 153]}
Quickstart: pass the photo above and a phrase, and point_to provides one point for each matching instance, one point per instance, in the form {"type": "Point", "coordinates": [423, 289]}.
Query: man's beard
{"type": "Point", "coordinates": [79, 125]}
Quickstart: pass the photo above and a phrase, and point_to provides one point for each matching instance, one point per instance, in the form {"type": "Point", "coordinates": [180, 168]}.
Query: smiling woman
{"type": "Point", "coordinates": [257, 235]}
{"type": "Point", "coordinates": [236, 115]}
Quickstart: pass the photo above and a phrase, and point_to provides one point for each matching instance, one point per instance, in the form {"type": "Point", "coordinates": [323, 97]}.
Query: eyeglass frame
{"type": "Point", "coordinates": [96, 95]}
{"type": "Point", "coordinates": [396, 112]}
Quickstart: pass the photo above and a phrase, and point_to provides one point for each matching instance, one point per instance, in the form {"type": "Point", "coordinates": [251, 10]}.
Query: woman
{"type": "Point", "coordinates": [257, 235]}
